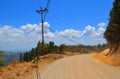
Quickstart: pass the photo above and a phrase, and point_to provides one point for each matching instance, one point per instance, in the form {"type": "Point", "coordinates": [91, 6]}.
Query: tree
{"type": "Point", "coordinates": [39, 48]}
{"type": "Point", "coordinates": [51, 47]}
{"type": "Point", "coordinates": [1, 59]}
{"type": "Point", "coordinates": [21, 57]}
{"type": "Point", "coordinates": [112, 33]}
{"type": "Point", "coordinates": [62, 48]}
{"type": "Point", "coordinates": [38, 51]}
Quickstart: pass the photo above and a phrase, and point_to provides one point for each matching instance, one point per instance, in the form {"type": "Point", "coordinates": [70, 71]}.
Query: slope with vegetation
{"type": "Point", "coordinates": [51, 48]}
{"type": "Point", "coordinates": [112, 33]}
{"type": "Point", "coordinates": [34, 53]}
{"type": "Point", "coordinates": [86, 49]}
{"type": "Point", "coordinates": [1, 59]}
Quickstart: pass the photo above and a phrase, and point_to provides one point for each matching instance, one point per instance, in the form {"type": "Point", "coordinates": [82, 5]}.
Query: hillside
{"type": "Point", "coordinates": [113, 59]}
{"type": "Point", "coordinates": [25, 69]}
{"type": "Point", "coordinates": [2, 52]}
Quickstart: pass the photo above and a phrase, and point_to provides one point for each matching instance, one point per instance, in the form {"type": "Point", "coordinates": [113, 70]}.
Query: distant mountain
{"type": "Point", "coordinates": [2, 52]}
{"type": "Point", "coordinates": [10, 57]}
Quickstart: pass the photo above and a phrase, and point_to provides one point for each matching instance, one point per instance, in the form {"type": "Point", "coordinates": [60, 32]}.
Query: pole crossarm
{"type": "Point", "coordinates": [42, 10]}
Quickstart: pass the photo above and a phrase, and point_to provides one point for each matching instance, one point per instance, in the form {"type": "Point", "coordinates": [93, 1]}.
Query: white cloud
{"type": "Point", "coordinates": [93, 32]}
{"type": "Point", "coordinates": [101, 24]}
{"type": "Point", "coordinates": [10, 32]}
{"type": "Point", "coordinates": [17, 32]}
{"type": "Point", "coordinates": [29, 27]}
{"type": "Point", "coordinates": [29, 34]}
{"type": "Point", "coordinates": [49, 35]}
{"type": "Point", "coordinates": [33, 36]}
{"type": "Point", "coordinates": [9, 40]}
{"type": "Point", "coordinates": [46, 27]}
{"type": "Point", "coordinates": [99, 33]}
{"type": "Point", "coordinates": [36, 27]}
{"type": "Point", "coordinates": [89, 30]}
{"type": "Point", "coordinates": [70, 33]}
{"type": "Point", "coordinates": [6, 28]}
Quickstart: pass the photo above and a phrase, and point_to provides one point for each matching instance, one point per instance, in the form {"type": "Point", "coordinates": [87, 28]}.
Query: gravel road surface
{"type": "Point", "coordinates": [80, 67]}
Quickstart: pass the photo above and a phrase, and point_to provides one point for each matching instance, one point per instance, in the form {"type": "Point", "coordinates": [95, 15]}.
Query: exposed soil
{"type": "Point", "coordinates": [110, 59]}
{"type": "Point", "coordinates": [25, 69]}
{"type": "Point", "coordinates": [79, 67]}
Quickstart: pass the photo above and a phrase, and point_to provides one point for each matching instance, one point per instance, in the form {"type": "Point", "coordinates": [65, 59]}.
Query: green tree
{"type": "Point", "coordinates": [39, 48]}
{"type": "Point", "coordinates": [112, 33]}
{"type": "Point", "coordinates": [1, 59]}
{"type": "Point", "coordinates": [21, 57]}
{"type": "Point", "coordinates": [38, 51]}
{"type": "Point", "coordinates": [62, 48]}
{"type": "Point", "coordinates": [51, 47]}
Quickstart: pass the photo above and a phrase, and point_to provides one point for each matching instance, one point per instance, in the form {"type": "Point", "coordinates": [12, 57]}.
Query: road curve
{"type": "Point", "coordinates": [80, 67]}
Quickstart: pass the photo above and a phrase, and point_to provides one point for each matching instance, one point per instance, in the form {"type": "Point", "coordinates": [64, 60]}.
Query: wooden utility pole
{"type": "Point", "coordinates": [41, 12]}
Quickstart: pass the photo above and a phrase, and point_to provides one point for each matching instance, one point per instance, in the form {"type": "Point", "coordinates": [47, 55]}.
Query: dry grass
{"type": "Point", "coordinates": [52, 56]}
{"type": "Point", "coordinates": [23, 70]}
{"type": "Point", "coordinates": [101, 57]}
{"type": "Point", "coordinates": [16, 71]}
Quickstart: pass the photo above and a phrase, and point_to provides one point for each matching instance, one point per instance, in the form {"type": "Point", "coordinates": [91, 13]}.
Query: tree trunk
{"type": "Point", "coordinates": [114, 52]}
{"type": "Point", "coordinates": [113, 49]}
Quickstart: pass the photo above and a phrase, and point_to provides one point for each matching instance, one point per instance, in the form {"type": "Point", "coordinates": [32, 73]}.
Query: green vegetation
{"type": "Point", "coordinates": [86, 49]}
{"type": "Point", "coordinates": [112, 33]}
{"type": "Point", "coordinates": [38, 51]}
{"type": "Point", "coordinates": [62, 48]}
{"type": "Point", "coordinates": [1, 60]}
{"type": "Point", "coordinates": [51, 48]}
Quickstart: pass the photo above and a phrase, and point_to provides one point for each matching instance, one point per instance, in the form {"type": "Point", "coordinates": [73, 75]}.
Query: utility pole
{"type": "Point", "coordinates": [41, 12]}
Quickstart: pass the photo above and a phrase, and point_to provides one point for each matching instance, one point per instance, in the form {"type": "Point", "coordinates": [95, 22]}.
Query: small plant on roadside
{"type": "Point", "coordinates": [17, 74]}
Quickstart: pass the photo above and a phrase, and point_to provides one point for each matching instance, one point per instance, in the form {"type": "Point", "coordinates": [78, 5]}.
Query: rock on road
{"type": "Point", "coordinates": [80, 67]}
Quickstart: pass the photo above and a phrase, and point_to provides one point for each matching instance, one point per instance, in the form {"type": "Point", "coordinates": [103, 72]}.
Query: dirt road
{"type": "Point", "coordinates": [80, 67]}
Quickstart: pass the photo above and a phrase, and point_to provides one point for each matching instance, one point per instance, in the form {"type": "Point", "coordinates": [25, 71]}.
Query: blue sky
{"type": "Point", "coordinates": [83, 21]}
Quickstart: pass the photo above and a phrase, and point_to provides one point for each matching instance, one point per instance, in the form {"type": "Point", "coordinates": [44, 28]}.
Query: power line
{"type": "Point", "coordinates": [48, 4]}
{"type": "Point", "coordinates": [66, 37]}
{"type": "Point", "coordinates": [47, 8]}
{"type": "Point", "coordinates": [43, 13]}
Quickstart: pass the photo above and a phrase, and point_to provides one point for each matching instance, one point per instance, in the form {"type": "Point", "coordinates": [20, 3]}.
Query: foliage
{"type": "Point", "coordinates": [39, 51]}
{"type": "Point", "coordinates": [1, 60]}
{"type": "Point", "coordinates": [62, 48]}
{"type": "Point", "coordinates": [53, 49]}
{"type": "Point", "coordinates": [86, 49]}
{"type": "Point", "coordinates": [112, 33]}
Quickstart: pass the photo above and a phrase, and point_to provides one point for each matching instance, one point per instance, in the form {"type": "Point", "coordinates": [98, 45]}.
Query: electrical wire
{"type": "Point", "coordinates": [45, 15]}
{"type": "Point", "coordinates": [47, 8]}
{"type": "Point", "coordinates": [48, 4]}
{"type": "Point", "coordinates": [66, 37]}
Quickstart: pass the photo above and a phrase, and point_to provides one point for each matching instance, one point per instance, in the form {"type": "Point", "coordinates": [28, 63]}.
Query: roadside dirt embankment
{"type": "Point", "coordinates": [25, 69]}
{"type": "Point", "coordinates": [110, 59]}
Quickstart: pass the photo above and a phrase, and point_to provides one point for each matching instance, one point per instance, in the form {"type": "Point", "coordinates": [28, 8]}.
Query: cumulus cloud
{"type": "Point", "coordinates": [70, 33]}
{"type": "Point", "coordinates": [9, 31]}
{"type": "Point", "coordinates": [32, 33]}
{"type": "Point", "coordinates": [9, 40]}
{"type": "Point", "coordinates": [35, 27]}
{"type": "Point", "coordinates": [101, 24]}
{"type": "Point", "coordinates": [89, 30]}
{"type": "Point", "coordinates": [49, 35]}
{"type": "Point", "coordinates": [35, 32]}
{"type": "Point", "coordinates": [21, 36]}
{"type": "Point", "coordinates": [29, 27]}
{"type": "Point", "coordinates": [99, 33]}
{"type": "Point", "coordinates": [93, 32]}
